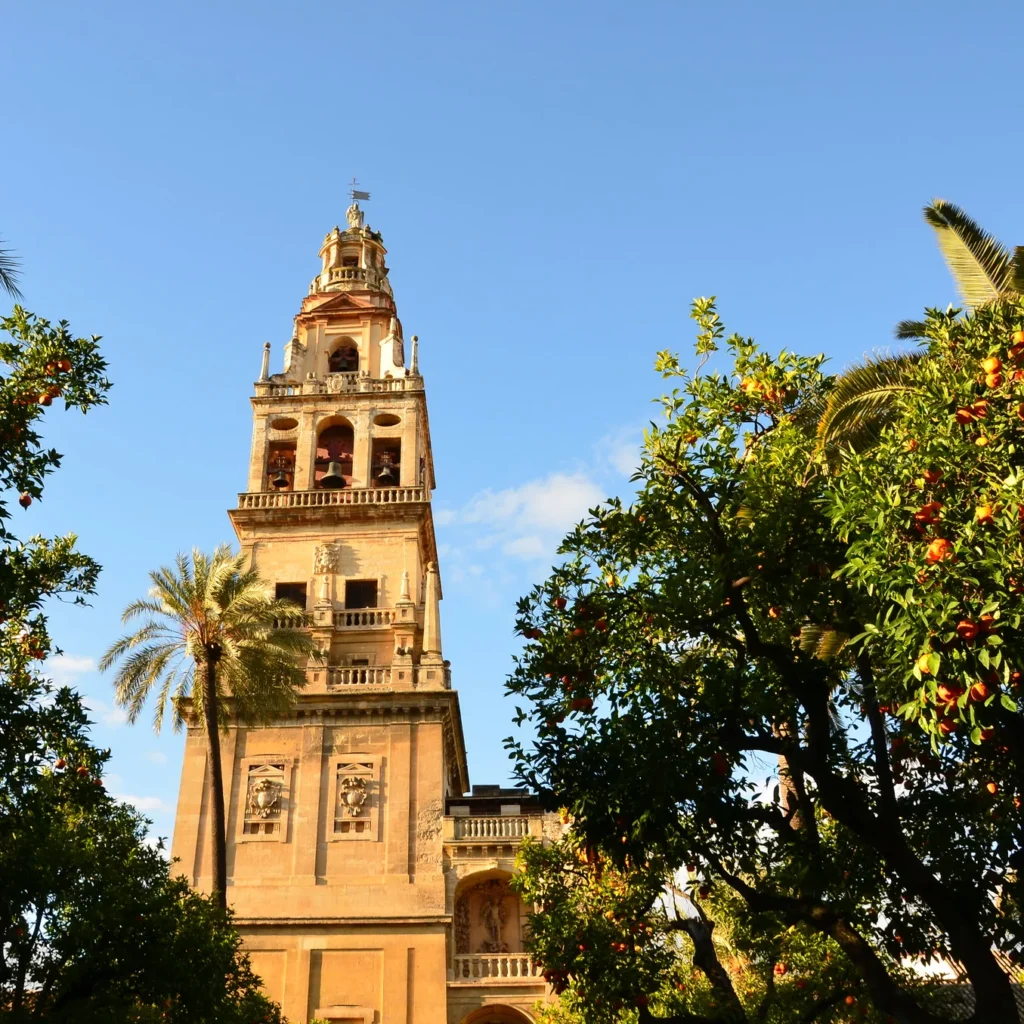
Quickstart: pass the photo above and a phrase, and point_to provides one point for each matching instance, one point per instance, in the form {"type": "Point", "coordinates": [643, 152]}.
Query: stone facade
{"type": "Point", "coordinates": [368, 886]}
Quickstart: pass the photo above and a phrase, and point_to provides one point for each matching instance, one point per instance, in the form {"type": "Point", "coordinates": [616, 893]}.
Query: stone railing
{"type": "Point", "coordinates": [495, 967]}
{"type": "Point", "coordinates": [297, 621]}
{"type": "Point", "coordinates": [341, 496]}
{"type": "Point", "coordinates": [363, 618]}
{"type": "Point", "coordinates": [338, 383]}
{"type": "Point", "coordinates": [476, 829]}
{"type": "Point", "coordinates": [346, 274]}
{"type": "Point", "coordinates": [340, 678]}
{"type": "Point", "coordinates": [351, 677]}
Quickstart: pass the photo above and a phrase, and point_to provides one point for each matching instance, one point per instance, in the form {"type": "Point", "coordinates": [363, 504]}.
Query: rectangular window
{"type": "Point", "coordinates": [291, 592]}
{"type": "Point", "coordinates": [360, 593]}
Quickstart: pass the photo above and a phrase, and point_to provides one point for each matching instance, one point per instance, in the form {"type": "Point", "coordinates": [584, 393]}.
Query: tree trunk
{"type": "Point", "coordinates": [220, 846]}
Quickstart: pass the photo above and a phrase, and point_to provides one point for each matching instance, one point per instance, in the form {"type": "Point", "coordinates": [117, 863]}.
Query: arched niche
{"type": "Point", "coordinates": [489, 917]}
{"type": "Point", "coordinates": [335, 442]}
{"type": "Point", "coordinates": [343, 357]}
{"type": "Point", "coordinates": [497, 1013]}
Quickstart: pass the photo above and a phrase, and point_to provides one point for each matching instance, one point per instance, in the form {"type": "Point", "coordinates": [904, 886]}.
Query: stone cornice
{"type": "Point", "coordinates": [326, 922]}
{"type": "Point", "coordinates": [408, 705]}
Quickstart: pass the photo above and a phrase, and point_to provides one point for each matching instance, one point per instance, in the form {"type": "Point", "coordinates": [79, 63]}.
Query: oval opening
{"type": "Point", "coordinates": [284, 423]}
{"type": "Point", "coordinates": [386, 419]}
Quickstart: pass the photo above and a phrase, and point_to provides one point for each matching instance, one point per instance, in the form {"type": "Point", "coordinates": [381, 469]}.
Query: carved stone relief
{"type": "Point", "coordinates": [462, 924]}
{"type": "Point", "coordinates": [263, 799]}
{"type": "Point", "coordinates": [355, 810]}
{"type": "Point", "coordinates": [428, 833]}
{"type": "Point", "coordinates": [325, 559]}
{"type": "Point", "coordinates": [352, 795]}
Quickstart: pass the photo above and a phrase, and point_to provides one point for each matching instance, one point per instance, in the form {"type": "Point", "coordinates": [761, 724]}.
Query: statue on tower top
{"type": "Point", "coordinates": [354, 215]}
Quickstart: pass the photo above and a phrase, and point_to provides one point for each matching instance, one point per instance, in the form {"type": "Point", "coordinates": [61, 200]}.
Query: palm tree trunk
{"type": "Point", "coordinates": [220, 846]}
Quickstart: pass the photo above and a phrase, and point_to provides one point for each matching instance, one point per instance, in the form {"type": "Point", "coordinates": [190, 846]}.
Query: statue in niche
{"type": "Point", "coordinates": [493, 915]}
{"type": "Point", "coordinates": [354, 216]}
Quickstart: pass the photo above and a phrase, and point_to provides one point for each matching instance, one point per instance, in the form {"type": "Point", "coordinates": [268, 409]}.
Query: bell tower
{"type": "Point", "coordinates": [335, 813]}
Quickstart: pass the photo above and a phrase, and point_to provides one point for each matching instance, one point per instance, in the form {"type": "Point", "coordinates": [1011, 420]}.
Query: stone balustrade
{"type": "Point", "coordinates": [479, 829]}
{"type": "Point", "coordinates": [341, 496]}
{"type": "Point", "coordinates": [337, 274]}
{"type": "Point", "coordinates": [338, 384]}
{"type": "Point", "coordinates": [496, 967]}
{"type": "Point", "coordinates": [352, 677]}
{"type": "Point", "coordinates": [297, 621]}
{"type": "Point", "coordinates": [343, 676]}
{"type": "Point", "coordinates": [363, 618]}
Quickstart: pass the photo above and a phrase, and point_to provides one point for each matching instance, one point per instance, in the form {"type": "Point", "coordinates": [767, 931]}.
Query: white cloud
{"type": "Point", "coordinates": [621, 450]}
{"type": "Point", "coordinates": [145, 803]}
{"type": "Point", "coordinates": [64, 669]}
{"type": "Point", "coordinates": [555, 503]}
{"type": "Point", "coordinates": [523, 526]}
{"type": "Point", "coordinates": [156, 757]}
{"type": "Point", "coordinates": [105, 713]}
{"type": "Point", "coordinates": [525, 547]}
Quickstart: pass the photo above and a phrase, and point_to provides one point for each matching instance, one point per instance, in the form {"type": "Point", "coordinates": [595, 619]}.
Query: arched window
{"type": "Point", "coordinates": [334, 447]}
{"type": "Point", "coordinates": [344, 359]}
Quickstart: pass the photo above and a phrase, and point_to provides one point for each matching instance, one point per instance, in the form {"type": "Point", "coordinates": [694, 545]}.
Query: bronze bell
{"type": "Point", "coordinates": [279, 479]}
{"type": "Point", "coordinates": [386, 473]}
{"type": "Point", "coordinates": [333, 478]}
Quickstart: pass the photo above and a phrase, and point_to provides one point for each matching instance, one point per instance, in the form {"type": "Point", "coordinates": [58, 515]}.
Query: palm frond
{"type": "Point", "coordinates": [10, 268]}
{"type": "Point", "coordinates": [1017, 269]}
{"type": "Point", "coordinates": [822, 642]}
{"type": "Point", "coordinates": [198, 601]}
{"type": "Point", "coordinates": [910, 330]}
{"type": "Point", "coordinates": [979, 263]}
{"type": "Point", "coordinates": [861, 403]}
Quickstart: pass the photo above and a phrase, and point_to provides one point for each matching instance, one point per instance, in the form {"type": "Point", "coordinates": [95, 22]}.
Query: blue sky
{"type": "Point", "coordinates": [554, 181]}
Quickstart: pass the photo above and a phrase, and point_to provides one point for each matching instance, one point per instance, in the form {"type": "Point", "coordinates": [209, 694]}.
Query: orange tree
{"type": "Point", "coordinates": [748, 606]}
{"type": "Point", "coordinates": [92, 925]}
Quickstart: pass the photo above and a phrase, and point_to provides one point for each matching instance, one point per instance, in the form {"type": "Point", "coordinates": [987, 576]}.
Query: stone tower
{"type": "Point", "coordinates": [368, 888]}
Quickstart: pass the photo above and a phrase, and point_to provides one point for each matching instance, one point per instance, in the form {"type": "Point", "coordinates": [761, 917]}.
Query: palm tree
{"type": "Point", "coordinates": [983, 269]}
{"type": "Point", "coordinates": [10, 267]}
{"type": "Point", "coordinates": [210, 637]}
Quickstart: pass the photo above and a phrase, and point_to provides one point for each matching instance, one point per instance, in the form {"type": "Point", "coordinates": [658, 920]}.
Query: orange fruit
{"type": "Point", "coordinates": [993, 364]}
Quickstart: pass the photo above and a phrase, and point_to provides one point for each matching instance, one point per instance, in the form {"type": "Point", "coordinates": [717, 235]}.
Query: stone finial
{"type": "Point", "coordinates": [404, 595]}
{"type": "Point", "coordinates": [414, 361]}
{"type": "Point", "coordinates": [354, 215]}
{"type": "Point", "coordinates": [265, 367]}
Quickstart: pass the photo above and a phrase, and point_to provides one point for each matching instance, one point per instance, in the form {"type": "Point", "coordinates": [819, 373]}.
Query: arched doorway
{"type": "Point", "coordinates": [497, 1014]}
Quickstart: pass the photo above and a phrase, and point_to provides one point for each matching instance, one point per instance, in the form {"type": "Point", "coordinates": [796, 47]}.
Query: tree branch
{"type": "Point", "coordinates": [885, 992]}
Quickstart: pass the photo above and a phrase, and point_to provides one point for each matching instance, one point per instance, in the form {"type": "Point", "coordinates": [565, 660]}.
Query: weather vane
{"type": "Point", "coordinates": [355, 193]}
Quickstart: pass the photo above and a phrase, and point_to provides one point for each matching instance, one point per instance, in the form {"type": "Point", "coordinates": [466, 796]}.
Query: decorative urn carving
{"type": "Point", "coordinates": [353, 795]}
{"type": "Point", "coordinates": [264, 798]}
